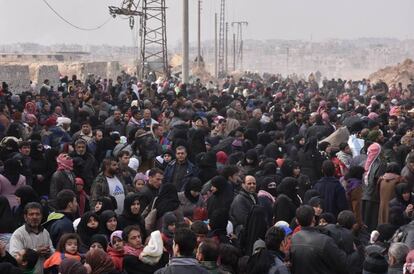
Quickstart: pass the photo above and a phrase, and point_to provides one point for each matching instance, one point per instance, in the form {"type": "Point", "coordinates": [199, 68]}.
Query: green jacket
{"type": "Point", "coordinates": [100, 188]}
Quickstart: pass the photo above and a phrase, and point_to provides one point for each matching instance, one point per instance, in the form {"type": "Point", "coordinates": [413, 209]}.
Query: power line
{"type": "Point", "coordinates": [77, 27]}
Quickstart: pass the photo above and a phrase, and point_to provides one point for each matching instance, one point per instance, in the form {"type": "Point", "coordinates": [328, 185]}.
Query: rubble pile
{"type": "Point", "coordinates": [401, 73]}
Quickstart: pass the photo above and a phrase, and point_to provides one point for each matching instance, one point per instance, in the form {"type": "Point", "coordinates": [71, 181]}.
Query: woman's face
{"type": "Point", "coordinates": [406, 196]}
{"type": "Point", "coordinates": [302, 141]}
{"type": "Point", "coordinates": [296, 171]}
{"type": "Point", "coordinates": [111, 224]}
{"type": "Point", "coordinates": [134, 239]}
{"type": "Point", "coordinates": [318, 210]}
{"type": "Point", "coordinates": [93, 223]}
{"type": "Point", "coordinates": [98, 206]}
{"type": "Point", "coordinates": [135, 207]}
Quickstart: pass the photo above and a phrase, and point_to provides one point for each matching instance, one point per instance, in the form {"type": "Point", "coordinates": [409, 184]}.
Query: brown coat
{"type": "Point", "coordinates": [386, 184]}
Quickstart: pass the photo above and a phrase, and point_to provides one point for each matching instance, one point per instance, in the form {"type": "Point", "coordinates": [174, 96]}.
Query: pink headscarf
{"type": "Point", "coordinates": [374, 151]}
{"type": "Point", "coordinates": [409, 262]}
{"type": "Point", "coordinates": [372, 116]}
{"type": "Point", "coordinates": [395, 111]}
{"type": "Point", "coordinates": [64, 163]}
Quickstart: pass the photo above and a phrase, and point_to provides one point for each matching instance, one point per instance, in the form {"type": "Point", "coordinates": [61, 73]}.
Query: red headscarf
{"type": "Point", "coordinates": [373, 152]}
{"type": "Point", "coordinates": [63, 162]}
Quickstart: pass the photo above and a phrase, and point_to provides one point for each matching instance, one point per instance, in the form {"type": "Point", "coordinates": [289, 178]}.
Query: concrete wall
{"type": "Point", "coordinates": [16, 76]}
{"type": "Point", "coordinates": [38, 73]}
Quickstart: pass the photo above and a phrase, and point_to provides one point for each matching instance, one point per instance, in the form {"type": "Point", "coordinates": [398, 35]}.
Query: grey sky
{"type": "Point", "coordinates": [32, 21]}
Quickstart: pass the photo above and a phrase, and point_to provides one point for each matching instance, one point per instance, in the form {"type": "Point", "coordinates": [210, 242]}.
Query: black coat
{"type": "Point", "coordinates": [312, 252]}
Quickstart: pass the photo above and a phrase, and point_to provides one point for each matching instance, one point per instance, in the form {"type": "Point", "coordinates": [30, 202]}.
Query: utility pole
{"type": "Point", "coordinates": [185, 67]}
{"type": "Point", "coordinates": [199, 36]}
{"type": "Point", "coordinates": [240, 25]}
{"type": "Point", "coordinates": [226, 55]}
{"type": "Point", "coordinates": [234, 52]}
{"type": "Point", "coordinates": [221, 68]}
{"type": "Point", "coordinates": [215, 47]}
{"type": "Point", "coordinates": [287, 60]}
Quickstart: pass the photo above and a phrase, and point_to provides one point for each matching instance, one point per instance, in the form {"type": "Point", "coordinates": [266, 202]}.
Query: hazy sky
{"type": "Point", "coordinates": [32, 21]}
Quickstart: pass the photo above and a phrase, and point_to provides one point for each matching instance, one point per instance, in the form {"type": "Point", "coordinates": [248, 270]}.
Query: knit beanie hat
{"type": "Point", "coordinates": [375, 263]}
{"type": "Point", "coordinates": [101, 239]}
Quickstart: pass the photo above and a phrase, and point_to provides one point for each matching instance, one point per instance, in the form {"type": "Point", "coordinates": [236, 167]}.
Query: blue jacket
{"type": "Point", "coordinates": [192, 171]}
{"type": "Point", "coordinates": [332, 194]}
{"type": "Point", "coordinates": [58, 223]}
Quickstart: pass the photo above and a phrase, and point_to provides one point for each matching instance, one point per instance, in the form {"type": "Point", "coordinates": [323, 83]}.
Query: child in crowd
{"type": "Point", "coordinates": [116, 249]}
{"type": "Point", "coordinates": [68, 247]}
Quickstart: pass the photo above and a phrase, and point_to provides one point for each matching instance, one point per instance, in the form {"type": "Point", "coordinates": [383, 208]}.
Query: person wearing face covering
{"type": "Point", "coordinates": [40, 168]}
{"type": "Point", "coordinates": [222, 195]}
{"type": "Point", "coordinates": [10, 180]}
{"type": "Point", "coordinates": [287, 200]}
{"type": "Point", "coordinates": [63, 178]}
{"type": "Point", "coordinates": [190, 198]}
{"type": "Point", "coordinates": [249, 165]}
{"type": "Point", "coordinates": [167, 200]}
{"type": "Point", "coordinates": [25, 195]}
{"type": "Point", "coordinates": [310, 159]}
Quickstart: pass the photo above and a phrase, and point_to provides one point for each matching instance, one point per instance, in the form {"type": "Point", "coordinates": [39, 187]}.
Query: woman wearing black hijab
{"type": "Point", "coordinates": [108, 223]}
{"type": "Point", "coordinates": [167, 200]}
{"type": "Point", "coordinates": [190, 198]}
{"type": "Point", "coordinates": [40, 169]}
{"type": "Point", "coordinates": [87, 227]}
{"type": "Point", "coordinates": [287, 200]}
{"type": "Point", "coordinates": [10, 180]}
{"type": "Point", "coordinates": [254, 229]}
{"type": "Point", "coordinates": [310, 160]}
{"type": "Point", "coordinates": [222, 195]}
{"type": "Point", "coordinates": [250, 163]}
{"type": "Point", "coordinates": [8, 222]}
{"type": "Point", "coordinates": [132, 213]}
{"type": "Point", "coordinates": [403, 198]}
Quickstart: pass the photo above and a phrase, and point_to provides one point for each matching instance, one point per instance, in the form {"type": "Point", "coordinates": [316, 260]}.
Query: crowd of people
{"type": "Point", "coordinates": [258, 175]}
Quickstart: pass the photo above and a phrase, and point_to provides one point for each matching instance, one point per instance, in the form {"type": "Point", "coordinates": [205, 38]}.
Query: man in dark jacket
{"type": "Point", "coordinates": [292, 129]}
{"type": "Point", "coordinates": [183, 261]}
{"type": "Point", "coordinates": [313, 252]}
{"type": "Point", "coordinates": [332, 193]}
{"type": "Point", "coordinates": [85, 165]}
{"type": "Point", "coordinates": [150, 190]}
{"type": "Point", "coordinates": [61, 221]}
{"type": "Point", "coordinates": [243, 203]}
{"type": "Point", "coordinates": [180, 169]}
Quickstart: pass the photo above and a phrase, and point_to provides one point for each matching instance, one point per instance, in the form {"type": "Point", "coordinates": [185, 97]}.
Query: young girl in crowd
{"type": "Point", "coordinates": [68, 247]}
{"type": "Point", "coordinates": [139, 181]}
{"type": "Point", "coordinates": [116, 249]}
